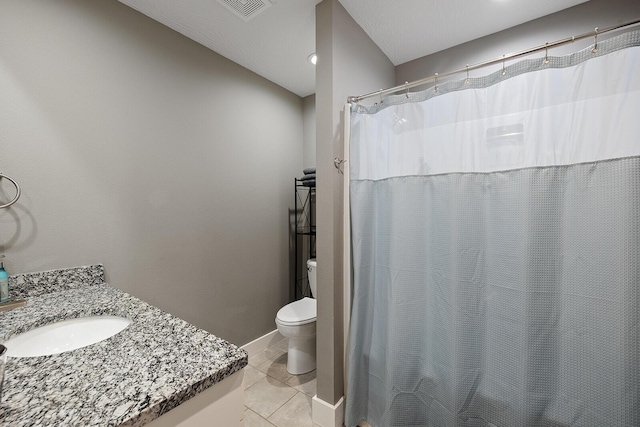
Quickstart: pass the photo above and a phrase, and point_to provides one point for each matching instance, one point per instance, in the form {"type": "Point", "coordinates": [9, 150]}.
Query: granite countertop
{"type": "Point", "coordinates": [130, 379]}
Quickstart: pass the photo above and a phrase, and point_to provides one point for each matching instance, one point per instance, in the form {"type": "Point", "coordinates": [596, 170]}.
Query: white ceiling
{"type": "Point", "coordinates": [276, 43]}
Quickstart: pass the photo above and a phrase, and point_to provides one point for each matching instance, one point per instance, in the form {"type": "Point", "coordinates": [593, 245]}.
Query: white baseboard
{"type": "Point", "coordinates": [327, 415]}
{"type": "Point", "coordinates": [261, 344]}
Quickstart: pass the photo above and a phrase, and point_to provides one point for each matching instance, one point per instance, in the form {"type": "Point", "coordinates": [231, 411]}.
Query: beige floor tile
{"type": "Point", "coordinates": [276, 368]}
{"type": "Point", "coordinates": [251, 376]}
{"type": "Point", "coordinates": [270, 353]}
{"type": "Point", "coordinates": [295, 413]}
{"type": "Point", "coordinates": [282, 345]}
{"type": "Point", "coordinates": [305, 383]}
{"type": "Point", "coordinates": [251, 419]}
{"type": "Point", "coordinates": [267, 395]}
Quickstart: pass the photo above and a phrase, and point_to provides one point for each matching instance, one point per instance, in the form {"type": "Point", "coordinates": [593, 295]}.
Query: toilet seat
{"type": "Point", "coordinates": [298, 313]}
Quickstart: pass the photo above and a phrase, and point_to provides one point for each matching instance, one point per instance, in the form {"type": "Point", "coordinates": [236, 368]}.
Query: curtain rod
{"type": "Point", "coordinates": [503, 58]}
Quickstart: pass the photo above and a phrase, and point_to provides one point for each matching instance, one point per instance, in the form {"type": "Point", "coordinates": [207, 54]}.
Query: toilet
{"type": "Point", "coordinates": [297, 321]}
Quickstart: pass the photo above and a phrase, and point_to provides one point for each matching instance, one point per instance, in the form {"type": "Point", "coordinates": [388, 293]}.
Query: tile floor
{"type": "Point", "coordinates": [274, 397]}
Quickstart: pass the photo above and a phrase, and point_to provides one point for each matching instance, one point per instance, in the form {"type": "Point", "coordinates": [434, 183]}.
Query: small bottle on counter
{"type": "Point", "coordinates": [4, 282]}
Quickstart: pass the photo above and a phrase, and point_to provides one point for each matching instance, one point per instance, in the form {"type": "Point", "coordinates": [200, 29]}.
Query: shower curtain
{"type": "Point", "coordinates": [495, 236]}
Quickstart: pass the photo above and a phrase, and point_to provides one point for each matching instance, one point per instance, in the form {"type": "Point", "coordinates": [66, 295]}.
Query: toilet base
{"type": "Point", "coordinates": [301, 356]}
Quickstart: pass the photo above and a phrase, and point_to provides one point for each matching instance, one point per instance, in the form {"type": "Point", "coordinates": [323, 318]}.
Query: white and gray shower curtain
{"type": "Point", "coordinates": [495, 239]}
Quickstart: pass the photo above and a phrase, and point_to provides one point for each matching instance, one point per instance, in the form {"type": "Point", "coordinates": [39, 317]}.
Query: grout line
{"type": "Point", "coordinates": [261, 417]}
{"type": "Point", "coordinates": [282, 405]}
{"type": "Point", "coordinates": [284, 382]}
{"type": "Point", "coordinates": [278, 408]}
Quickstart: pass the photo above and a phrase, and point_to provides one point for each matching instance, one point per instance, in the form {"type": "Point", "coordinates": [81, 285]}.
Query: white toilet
{"type": "Point", "coordinates": [297, 321]}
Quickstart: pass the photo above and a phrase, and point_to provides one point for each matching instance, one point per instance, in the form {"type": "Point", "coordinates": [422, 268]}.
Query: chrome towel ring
{"type": "Point", "coordinates": [15, 199]}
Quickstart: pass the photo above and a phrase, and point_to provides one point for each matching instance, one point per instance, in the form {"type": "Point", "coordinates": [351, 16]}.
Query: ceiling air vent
{"type": "Point", "coordinates": [246, 9]}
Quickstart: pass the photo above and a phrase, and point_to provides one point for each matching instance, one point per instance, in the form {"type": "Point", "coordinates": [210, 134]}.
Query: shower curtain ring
{"type": "Point", "coordinates": [380, 93]}
{"type": "Point", "coordinates": [406, 86]}
{"type": "Point", "coordinates": [504, 70]}
{"type": "Point", "coordinates": [546, 53]}
{"type": "Point", "coordinates": [435, 88]}
{"type": "Point", "coordinates": [595, 41]}
{"type": "Point", "coordinates": [467, 81]}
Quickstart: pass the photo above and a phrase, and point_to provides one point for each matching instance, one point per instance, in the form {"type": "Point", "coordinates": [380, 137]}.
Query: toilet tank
{"type": "Point", "coordinates": [311, 273]}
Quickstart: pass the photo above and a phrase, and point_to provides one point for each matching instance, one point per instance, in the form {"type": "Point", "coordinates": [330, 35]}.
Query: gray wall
{"type": "Point", "coordinates": [140, 149]}
{"type": "Point", "coordinates": [309, 119]}
{"type": "Point", "coordinates": [349, 63]}
{"type": "Point", "coordinates": [577, 20]}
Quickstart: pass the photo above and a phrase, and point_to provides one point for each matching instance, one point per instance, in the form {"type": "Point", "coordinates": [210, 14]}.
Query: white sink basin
{"type": "Point", "coordinates": [65, 335]}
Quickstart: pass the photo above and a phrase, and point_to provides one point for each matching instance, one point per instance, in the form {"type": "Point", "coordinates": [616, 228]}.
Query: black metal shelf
{"type": "Point", "coordinates": [305, 235]}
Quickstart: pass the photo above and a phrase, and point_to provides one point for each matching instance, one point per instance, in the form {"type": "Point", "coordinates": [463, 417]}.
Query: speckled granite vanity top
{"type": "Point", "coordinates": [130, 379]}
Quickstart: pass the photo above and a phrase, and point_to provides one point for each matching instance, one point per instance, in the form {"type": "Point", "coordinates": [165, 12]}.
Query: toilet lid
{"type": "Point", "coordinates": [298, 312]}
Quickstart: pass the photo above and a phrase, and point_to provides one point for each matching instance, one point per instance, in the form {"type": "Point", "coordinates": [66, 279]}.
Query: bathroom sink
{"type": "Point", "coordinates": [65, 335]}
